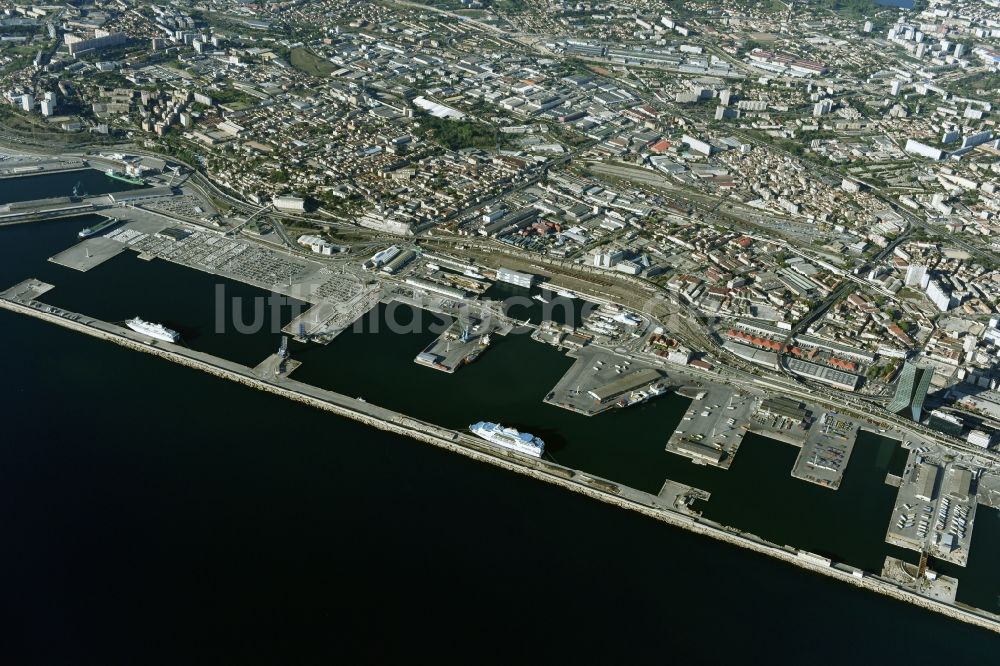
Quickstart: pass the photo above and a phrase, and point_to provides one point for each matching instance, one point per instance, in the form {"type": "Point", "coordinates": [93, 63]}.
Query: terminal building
{"type": "Point", "coordinates": [784, 406]}
{"type": "Point", "coordinates": [700, 451]}
{"type": "Point", "coordinates": [381, 258]}
{"type": "Point", "coordinates": [626, 384]}
{"type": "Point", "coordinates": [317, 244]}
{"type": "Point", "coordinates": [946, 423]}
{"type": "Point", "coordinates": [926, 479]}
{"type": "Point", "coordinates": [838, 378]}
{"type": "Point", "coordinates": [514, 277]}
{"type": "Point", "coordinates": [436, 288]}
{"type": "Point", "coordinates": [911, 390]}
{"type": "Point", "coordinates": [396, 264]}
{"type": "Point", "coordinates": [957, 483]}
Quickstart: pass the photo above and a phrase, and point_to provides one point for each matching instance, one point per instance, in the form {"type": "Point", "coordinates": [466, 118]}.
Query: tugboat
{"type": "Point", "coordinates": [484, 342]}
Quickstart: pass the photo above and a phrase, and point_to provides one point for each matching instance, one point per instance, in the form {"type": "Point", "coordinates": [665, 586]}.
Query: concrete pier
{"type": "Point", "coordinates": [489, 313]}
{"type": "Point", "coordinates": [88, 253]}
{"type": "Point", "coordinates": [988, 490]}
{"type": "Point", "coordinates": [330, 317]}
{"type": "Point", "coordinates": [712, 428]}
{"type": "Point", "coordinates": [51, 211]}
{"type": "Point", "coordinates": [462, 342]}
{"type": "Point", "coordinates": [942, 588]}
{"type": "Point", "coordinates": [19, 167]}
{"type": "Point", "coordinates": [27, 291]}
{"type": "Point", "coordinates": [935, 508]}
{"type": "Point", "coordinates": [21, 299]}
{"type": "Point", "coordinates": [827, 450]}
{"type": "Point", "coordinates": [681, 497]}
{"type": "Point", "coordinates": [598, 380]}
{"type": "Point", "coordinates": [275, 368]}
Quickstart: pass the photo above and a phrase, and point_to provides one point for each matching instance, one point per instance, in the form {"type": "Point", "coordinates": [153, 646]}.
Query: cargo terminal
{"type": "Point", "coordinates": [461, 343]}
{"type": "Point", "coordinates": [827, 450]}
{"type": "Point", "coordinates": [935, 508]}
{"type": "Point", "coordinates": [712, 428]}
{"type": "Point", "coordinates": [598, 380]}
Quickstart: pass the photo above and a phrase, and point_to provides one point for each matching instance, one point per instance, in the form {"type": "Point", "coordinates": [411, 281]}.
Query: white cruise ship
{"type": "Point", "coordinates": [522, 442]}
{"type": "Point", "coordinates": [158, 331]}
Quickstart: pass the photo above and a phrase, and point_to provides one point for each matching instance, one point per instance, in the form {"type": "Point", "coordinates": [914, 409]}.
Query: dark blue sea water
{"type": "Point", "coordinates": [83, 181]}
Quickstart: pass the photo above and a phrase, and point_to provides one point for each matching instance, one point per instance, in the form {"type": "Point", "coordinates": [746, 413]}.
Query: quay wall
{"type": "Point", "coordinates": [598, 489]}
{"type": "Point", "coordinates": [41, 171]}
{"type": "Point", "coordinates": [52, 214]}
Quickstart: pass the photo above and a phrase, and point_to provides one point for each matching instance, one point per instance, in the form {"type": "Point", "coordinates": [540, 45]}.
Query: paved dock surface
{"type": "Point", "coordinates": [88, 253]}
{"type": "Point", "coordinates": [681, 496]}
{"type": "Point", "coordinates": [935, 507]}
{"type": "Point", "coordinates": [30, 165]}
{"type": "Point", "coordinates": [988, 490]}
{"type": "Point", "coordinates": [712, 428]}
{"type": "Point", "coordinates": [593, 368]}
{"type": "Point", "coordinates": [775, 426]}
{"type": "Point", "coordinates": [344, 302]}
{"type": "Point", "coordinates": [27, 291]}
{"type": "Point", "coordinates": [942, 588]}
{"type": "Point", "coordinates": [827, 450]}
{"type": "Point", "coordinates": [461, 343]}
{"type": "Point", "coordinates": [275, 368]}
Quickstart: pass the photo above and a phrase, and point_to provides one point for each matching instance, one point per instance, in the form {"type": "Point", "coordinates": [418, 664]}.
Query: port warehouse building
{"type": "Point", "coordinates": [853, 353]}
{"type": "Point", "coordinates": [623, 385]}
{"type": "Point", "coordinates": [827, 375]}
{"type": "Point", "coordinates": [434, 287]}
{"type": "Point", "coordinates": [453, 264]}
{"type": "Point", "coordinates": [784, 406]}
{"type": "Point", "coordinates": [700, 451]}
{"type": "Point", "coordinates": [513, 277]}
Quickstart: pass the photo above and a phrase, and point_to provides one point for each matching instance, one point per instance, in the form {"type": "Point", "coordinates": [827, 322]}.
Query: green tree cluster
{"type": "Point", "coordinates": [457, 134]}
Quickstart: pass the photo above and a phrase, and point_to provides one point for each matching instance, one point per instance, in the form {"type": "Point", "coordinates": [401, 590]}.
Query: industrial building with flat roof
{"type": "Point", "coordinates": [513, 277]}
{"type": "Point", "coordinates": [629, 382]}
{"type": "Point", "coordinates": [700, 451]}
{"type": "Point", "coordinates": [759, 356]}
{"type": "Point", "coordinates": [926, 480]}
{"type": "Point", "coordinates": [436, 288]}
{"type": "Point", "coordinates": [173, 233]}
{"type": "Point", "coordinates": [958, 483]}
{"type": "Point", "coordinates": [398, 262]}
{"type": "Point", "coordinates": [784, 406]}
{"type": "Point", "coordinates": [822, 373]}
{"type": "Point", "coordinates": [141, 193]}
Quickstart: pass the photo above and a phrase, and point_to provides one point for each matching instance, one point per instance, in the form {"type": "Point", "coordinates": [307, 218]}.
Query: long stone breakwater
{"type": "Point", "coordinates": [451, 440]}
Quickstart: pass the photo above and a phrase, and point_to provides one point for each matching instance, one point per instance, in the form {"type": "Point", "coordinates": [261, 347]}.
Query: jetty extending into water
{"type": "Point", "coordinates": [672, 505]}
